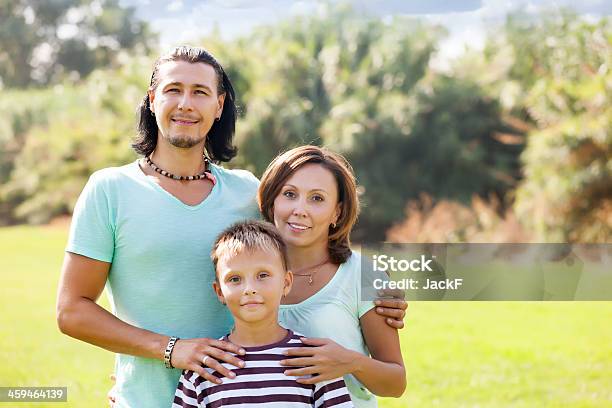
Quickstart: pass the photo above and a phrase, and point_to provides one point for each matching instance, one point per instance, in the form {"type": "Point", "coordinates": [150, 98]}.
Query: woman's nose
{"type": "Point", "coordinates": [299, 209]}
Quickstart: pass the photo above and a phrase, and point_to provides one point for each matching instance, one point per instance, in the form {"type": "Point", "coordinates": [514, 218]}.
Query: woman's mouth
{"type": "Point", "coordinates": [297, 227]}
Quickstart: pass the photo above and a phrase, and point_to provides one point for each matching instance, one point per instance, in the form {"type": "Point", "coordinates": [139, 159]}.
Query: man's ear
{"type": "Point", "coordinates": [220, 102]}
{"type": "Point", "coordinates": [288, 283]}
{"type": "Point", "coordinates": [218, 292]}
{"type": "Point", "coordinates": [151, 99]}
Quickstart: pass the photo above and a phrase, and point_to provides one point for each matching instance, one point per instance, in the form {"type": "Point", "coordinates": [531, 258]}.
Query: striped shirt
{"type": "Point", "coordinates": [261, 381]}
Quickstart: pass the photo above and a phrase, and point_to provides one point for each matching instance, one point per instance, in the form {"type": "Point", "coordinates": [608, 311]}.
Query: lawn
{"type": "Point", "coordinates": [457, 354]}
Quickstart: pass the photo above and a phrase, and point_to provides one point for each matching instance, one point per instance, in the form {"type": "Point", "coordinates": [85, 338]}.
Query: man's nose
{"type": "Point", "coordinates": [185, 102]}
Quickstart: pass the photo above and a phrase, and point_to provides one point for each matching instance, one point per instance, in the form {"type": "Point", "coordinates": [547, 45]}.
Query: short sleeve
{"type": "Point", "coordinates": [363, 306]}
{"type": "Point", "coordinates": [186, 395]}
{"type": "Point", "coordinates": [332, 393]}
{"type": "Point", "coordinates": [92, 229]}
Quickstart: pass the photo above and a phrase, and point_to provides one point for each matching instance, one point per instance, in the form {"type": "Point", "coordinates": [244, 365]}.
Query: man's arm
{"type": "Point", "coordinates": [79, 316]}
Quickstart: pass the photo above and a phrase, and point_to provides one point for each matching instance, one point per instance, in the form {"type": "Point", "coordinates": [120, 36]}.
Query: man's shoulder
{"type": "Point", "coordinates": [237, 177]}
{"type": "Point", "coordinates": [113, 173]}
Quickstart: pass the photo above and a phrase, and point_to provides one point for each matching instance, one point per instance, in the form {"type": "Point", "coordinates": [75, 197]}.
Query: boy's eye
{"type": "Point", "coordinates": [234, 279]}
{"type": "Point", "coordinates": [263, 275]}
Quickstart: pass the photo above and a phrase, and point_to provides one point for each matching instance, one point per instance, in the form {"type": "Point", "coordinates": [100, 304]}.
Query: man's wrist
{"type": "Point", "coordinates": [158, 346]}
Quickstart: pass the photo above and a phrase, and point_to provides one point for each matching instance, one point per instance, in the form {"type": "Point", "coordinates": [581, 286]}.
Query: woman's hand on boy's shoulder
{"type": "Point", "coordinates": [198, 354]}
{"type": "Point", "coordinates": [324, 361]}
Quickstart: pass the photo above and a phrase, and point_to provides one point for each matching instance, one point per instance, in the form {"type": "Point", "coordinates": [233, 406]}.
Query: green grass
{"type": "Point", "coordinates": [457, 354]}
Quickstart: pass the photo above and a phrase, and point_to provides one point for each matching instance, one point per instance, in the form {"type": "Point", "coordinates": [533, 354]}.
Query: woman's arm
{"type": "Point", "coordinates": [383, 373]}
{"type": "Point", "coordinates": [79, 316]}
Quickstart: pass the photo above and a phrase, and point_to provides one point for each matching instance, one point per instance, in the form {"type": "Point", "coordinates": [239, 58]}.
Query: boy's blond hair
{"type": "Point", "coordinates": [248, 236]}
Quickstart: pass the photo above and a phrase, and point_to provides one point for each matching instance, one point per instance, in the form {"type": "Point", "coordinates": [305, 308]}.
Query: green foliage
{"type": "Point", "coordinates": [360, 86]}
{"type": "Point", "coordinates": [92, 130]}
{"type": "Point", "coordinates": [567, 191]}
{"type": "Point", "coordinates": [43, 41]}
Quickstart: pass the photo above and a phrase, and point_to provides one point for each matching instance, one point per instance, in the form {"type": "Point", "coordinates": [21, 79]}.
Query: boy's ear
{"type": "Point", "coordinates": [218, 292]}
{"type": "Point", "coordinates": [288, 283]}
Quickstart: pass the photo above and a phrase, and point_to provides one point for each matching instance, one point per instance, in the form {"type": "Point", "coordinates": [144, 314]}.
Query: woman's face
{"type": "Point", "coordinates": [306, 206]}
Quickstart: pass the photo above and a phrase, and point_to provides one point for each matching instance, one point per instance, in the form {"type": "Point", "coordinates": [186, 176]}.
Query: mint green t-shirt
{"type": "Point", "coordinates": [161, 275]}
{"type": "Point", "coordinates": [333, 312]}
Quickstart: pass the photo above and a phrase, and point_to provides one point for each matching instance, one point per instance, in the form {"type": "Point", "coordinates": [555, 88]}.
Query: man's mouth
{"type": "Point", "coordinates": [184, 121]}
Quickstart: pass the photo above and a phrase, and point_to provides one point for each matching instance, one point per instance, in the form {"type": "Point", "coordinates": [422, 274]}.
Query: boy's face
{"type": "Point", "coordinates": [252, 284]}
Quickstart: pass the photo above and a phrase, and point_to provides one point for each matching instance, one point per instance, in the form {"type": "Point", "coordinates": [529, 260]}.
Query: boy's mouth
{"type": "Point", "coordinates": [251, 303]}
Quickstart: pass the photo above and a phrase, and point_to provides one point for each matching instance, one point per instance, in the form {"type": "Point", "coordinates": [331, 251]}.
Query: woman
{"type": "Point", "coordinates": [309, 193]}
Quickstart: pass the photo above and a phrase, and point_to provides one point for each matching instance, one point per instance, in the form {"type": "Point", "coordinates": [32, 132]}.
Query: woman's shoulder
{"type": "Point", "coordinates": [353, 263]}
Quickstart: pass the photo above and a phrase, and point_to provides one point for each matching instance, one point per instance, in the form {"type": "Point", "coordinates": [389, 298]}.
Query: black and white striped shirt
{"type": "Point", "coordinates": [261, 381]}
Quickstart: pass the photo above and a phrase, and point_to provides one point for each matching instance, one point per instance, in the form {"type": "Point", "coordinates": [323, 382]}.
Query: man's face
{"type": "Point", "coordinates": [186, 102]}
{"type": "Point", "coordinates": [252, 284]}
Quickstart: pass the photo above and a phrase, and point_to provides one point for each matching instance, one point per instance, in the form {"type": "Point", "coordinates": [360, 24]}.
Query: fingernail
{"type": "Point", "coordinates": [286, 352]}
{"type": "Point", "coordinates": [241, 364]}
{"type": "Point", "coordinates": [377, 302]}
{"type": "Point", "coordinates": [379, 309]}
{"type": "Point", "coordinates": [241, 351]}
{"type": "Point", "coordinates": [232, 375]}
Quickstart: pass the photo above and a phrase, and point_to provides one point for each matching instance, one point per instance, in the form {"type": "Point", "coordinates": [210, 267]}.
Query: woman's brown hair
{"type": "Point", "coordinates": [283, 167]}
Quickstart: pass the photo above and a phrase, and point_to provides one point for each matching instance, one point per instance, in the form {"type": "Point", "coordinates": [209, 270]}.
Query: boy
{"type": "Point", "coordinates": [251, 278]}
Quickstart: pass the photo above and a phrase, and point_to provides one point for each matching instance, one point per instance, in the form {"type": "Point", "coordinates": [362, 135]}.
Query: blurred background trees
{"type": "Point", "coordinates": [511, 144]}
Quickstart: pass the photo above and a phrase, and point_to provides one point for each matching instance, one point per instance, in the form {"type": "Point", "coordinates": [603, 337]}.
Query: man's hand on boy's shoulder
{"type": "Point", "coordinates": [393, 309]}
{"type": "Point", "coordinates": [197, 354]}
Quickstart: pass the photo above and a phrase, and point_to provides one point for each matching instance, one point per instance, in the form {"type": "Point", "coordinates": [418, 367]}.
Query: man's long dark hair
{"type": "Point", "coordinates": [218, 145]}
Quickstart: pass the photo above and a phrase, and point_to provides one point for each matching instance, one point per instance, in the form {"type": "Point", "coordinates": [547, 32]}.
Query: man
{"type": "Point", "coordinates": [147, 229]}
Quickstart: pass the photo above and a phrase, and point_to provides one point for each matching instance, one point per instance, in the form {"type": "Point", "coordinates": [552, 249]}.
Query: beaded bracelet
{"type": "Point", "coordinates": [168, 352]}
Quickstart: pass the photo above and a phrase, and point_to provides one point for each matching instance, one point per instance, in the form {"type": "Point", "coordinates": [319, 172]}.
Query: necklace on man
{"type": "Point", "coordinates": [311, 275]}
{"type": "Point", "coordinates": [206, 174]}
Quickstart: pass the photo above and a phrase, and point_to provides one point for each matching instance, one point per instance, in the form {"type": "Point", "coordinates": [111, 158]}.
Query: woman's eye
{"type": "Point", "coordinates": [289, 194]}
{"type": "Point", "coordinates": [317, 198]}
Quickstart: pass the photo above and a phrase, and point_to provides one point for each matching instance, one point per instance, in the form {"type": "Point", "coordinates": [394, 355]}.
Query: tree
{"type": "Point", "coordinates": [43, 41]}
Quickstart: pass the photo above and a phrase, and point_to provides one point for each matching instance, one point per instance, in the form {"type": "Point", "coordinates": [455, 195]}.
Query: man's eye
{"type": "Point", "coordinates": [172, 90]}
{"type": "Point", "coordinates": [200, 92]}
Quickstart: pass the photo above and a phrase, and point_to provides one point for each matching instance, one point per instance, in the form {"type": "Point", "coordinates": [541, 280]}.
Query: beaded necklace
{"type": "Point", "coordinates": [206, 174]}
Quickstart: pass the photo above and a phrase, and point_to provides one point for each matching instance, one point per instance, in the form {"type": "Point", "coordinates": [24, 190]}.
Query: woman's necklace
{"type": "Point", "coordinates": [310, 275]}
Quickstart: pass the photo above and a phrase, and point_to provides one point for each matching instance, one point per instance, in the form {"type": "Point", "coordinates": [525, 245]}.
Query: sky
{"type": "Point", "coordinates": [180, 21]}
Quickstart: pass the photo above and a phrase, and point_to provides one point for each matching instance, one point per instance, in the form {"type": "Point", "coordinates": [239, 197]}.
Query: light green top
{"type": "Point", "coordinates": [333, 312]}
{"type": "Point", "coordinates": [161, 273]}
